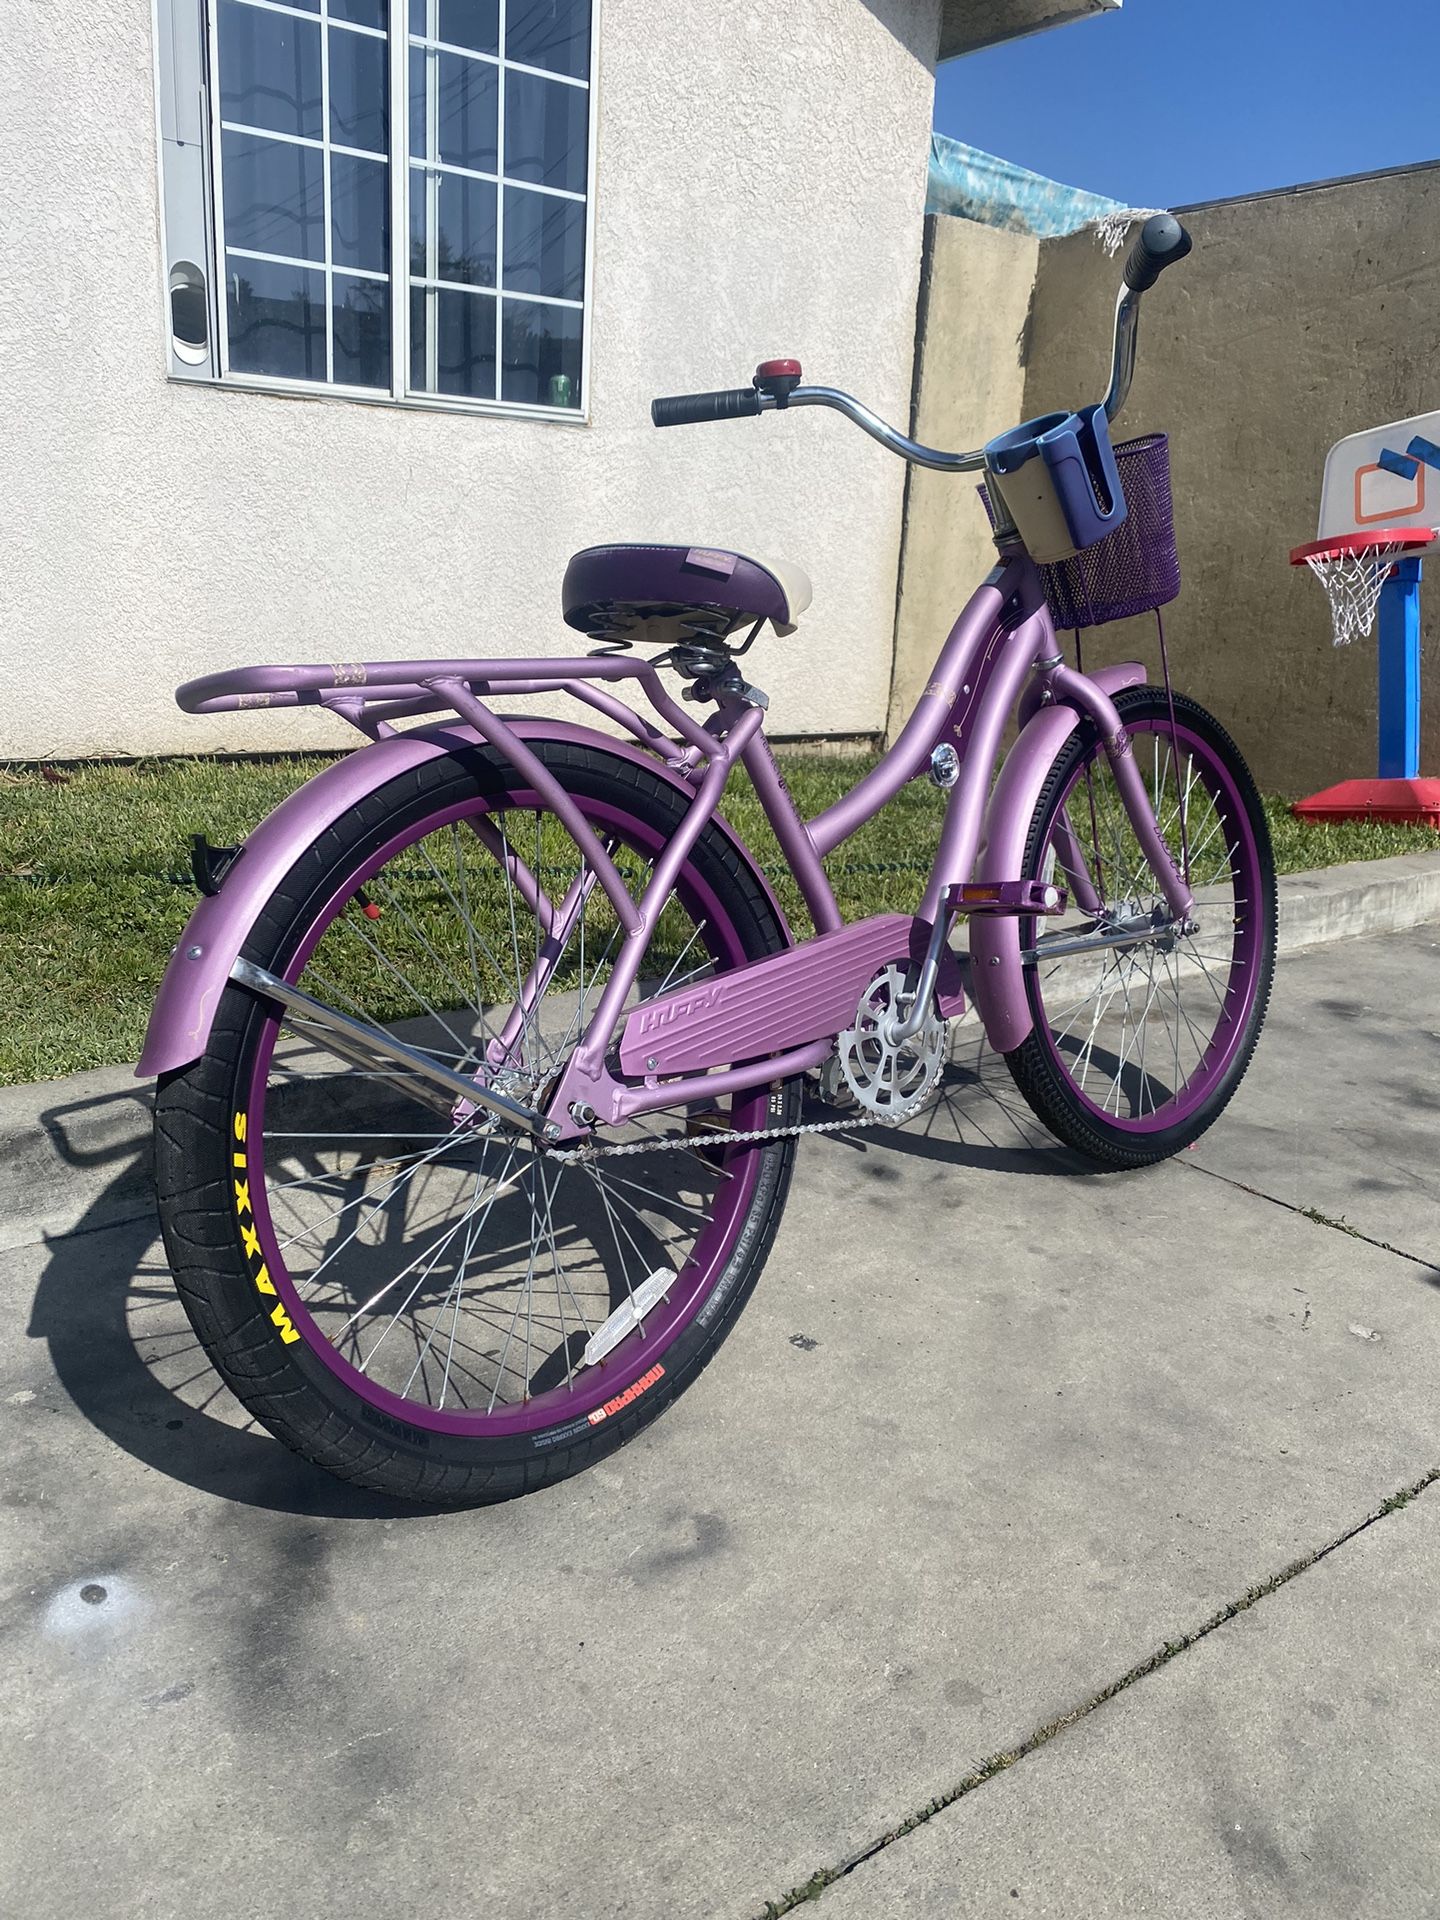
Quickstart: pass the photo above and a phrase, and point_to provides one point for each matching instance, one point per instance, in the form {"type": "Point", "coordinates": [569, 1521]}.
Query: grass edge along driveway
{"type": "Point", "coordinates": [95, 884]}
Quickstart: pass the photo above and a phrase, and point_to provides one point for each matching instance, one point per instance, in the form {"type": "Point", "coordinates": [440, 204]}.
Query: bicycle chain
{"type": "Point", "coordinates": [687, 1142]}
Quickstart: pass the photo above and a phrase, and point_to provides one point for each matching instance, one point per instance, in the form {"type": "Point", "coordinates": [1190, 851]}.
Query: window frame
{"type": "Point", "coordinates": [173, 19]}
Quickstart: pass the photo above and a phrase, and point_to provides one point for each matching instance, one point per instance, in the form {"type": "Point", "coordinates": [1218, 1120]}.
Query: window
{"type": "Point", "coordinates": [393, 194]}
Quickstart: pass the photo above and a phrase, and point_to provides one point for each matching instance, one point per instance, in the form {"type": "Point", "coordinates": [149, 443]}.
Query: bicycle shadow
{"type": "Point", "coordinates": [125, 1353]}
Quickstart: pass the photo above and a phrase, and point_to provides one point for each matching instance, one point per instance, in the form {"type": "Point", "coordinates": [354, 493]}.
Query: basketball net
{"type": "Point", "coordinates": [1353, 583]}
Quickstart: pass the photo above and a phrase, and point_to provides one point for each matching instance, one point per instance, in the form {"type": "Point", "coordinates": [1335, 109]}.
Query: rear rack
{"type": "Point", "coordinates": [373, 694]}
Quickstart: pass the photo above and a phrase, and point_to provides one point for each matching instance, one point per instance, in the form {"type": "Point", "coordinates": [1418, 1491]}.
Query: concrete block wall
{"type": "Point", "coordinates": [976, 288]}
{"type": "Point", "coordinates": [1300, 317]}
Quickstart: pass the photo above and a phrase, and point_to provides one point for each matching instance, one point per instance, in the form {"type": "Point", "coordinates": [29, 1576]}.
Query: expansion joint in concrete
{"type": "Point", "coordinates": [1317, 1218]}
{"type": "Point", "coordinates": [1169, 1650]}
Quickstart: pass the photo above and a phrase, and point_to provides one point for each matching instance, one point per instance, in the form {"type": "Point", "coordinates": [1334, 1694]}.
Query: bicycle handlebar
{"type": "Point", "coordinates": [697, 409]}
{"type": "Point", "coordinates": [888, 436]}
{"type": "Point", "coordinates": [1159, 244]}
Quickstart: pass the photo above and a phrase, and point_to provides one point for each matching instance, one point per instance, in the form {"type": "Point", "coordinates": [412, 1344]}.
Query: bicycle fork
{"type": "Point", "coordinates": [998, 963]}
{"type": "Point", "coordinates": [1075, 690]}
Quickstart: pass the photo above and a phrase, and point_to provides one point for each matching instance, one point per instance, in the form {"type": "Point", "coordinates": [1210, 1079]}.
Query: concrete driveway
{"type": "Point", "coordinates": [1083, 1521]}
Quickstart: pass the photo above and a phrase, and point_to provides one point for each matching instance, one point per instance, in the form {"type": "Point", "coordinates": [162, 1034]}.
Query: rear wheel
{"type": "Point", "coordinates": [426, 1306]}
{"type": "Point", "coordinates": [1137, 1048]}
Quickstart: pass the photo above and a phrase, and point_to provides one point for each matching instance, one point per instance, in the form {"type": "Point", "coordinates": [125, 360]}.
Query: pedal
{"type": "Point", "coordinates": [1009, 896]}
{"type": "Point", "coordinates": [831, 1084]}
{"type": "Point", "coordinates": [211, 864]}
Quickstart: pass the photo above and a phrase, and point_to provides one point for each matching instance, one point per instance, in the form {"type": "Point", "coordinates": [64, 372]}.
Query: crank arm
{"type": "Point", "coordinates": [906, 1028]}
{"type": "Point", "coordinates": [373, 1043]}
{"type": "Point", "coordinates": [1120, 937]}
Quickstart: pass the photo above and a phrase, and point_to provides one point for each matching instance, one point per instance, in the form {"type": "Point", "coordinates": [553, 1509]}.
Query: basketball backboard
{"type": "Point", "coordinates": [1386, 477]}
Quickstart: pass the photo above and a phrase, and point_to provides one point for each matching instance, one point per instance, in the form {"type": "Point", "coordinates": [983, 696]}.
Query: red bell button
{"type": "Point", "coordinates": [776, 380]}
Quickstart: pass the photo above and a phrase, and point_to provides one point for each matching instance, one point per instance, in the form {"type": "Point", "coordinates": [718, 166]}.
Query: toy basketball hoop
{"type": "Point", "coordinates": [1353, 569]}
{"type": "Point", "coordinates": [1379, 511]}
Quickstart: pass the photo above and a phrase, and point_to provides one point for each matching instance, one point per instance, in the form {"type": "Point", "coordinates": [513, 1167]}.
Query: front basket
{"type": "Point", "coordinates": [1136, 568]}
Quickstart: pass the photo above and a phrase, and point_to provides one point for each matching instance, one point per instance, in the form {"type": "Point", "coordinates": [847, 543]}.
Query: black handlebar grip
{"type": "Point", "coordinates": [696, 409]}
{"type": "Point", "coordinates": [1160, 243]}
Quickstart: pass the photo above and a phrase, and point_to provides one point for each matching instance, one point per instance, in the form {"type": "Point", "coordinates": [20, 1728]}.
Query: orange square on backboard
{"type": "Point", "coordinates": [1390, 514]}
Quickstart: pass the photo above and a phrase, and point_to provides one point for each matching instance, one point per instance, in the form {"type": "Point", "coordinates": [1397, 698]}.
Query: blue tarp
{"type": "Point", "coordinates": [980, 186]}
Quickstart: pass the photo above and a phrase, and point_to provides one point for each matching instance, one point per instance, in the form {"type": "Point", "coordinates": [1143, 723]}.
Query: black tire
{"type": "Point", "coordinates": [285, 1385]}
{"type": "Point", "coordinates": [1036, 1066]}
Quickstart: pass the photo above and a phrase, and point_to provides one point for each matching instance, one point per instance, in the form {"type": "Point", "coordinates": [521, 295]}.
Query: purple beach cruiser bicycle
{"type": "Point", "coordinates": [482, 1061]}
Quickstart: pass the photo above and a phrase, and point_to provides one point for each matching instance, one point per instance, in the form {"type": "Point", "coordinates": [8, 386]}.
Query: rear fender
{"type": "Point", "coordinates": [997, 974]}
{"type": "Point", "coordinates": [220, 925]}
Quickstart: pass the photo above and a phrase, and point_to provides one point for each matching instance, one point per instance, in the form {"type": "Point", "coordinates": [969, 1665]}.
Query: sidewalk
{"type": "Point", "coordinates": [1284, 1766]}
{"type": "Point", "coordinates": [995, 1432]}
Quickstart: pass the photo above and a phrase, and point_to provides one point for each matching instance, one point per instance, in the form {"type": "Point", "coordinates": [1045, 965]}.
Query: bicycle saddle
{"type": "Point", "coordinates": [660, 596]}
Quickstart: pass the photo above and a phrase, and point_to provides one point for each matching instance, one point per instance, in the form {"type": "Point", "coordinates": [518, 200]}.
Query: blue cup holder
{"type": "Point", "coordinates": [1058, 480]}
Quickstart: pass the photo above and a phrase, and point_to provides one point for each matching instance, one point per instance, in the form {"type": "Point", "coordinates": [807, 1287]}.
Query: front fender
{"type": "Point", "coordinates": [218, 928]}
{"type": "Point", "coordinates": [997, 974]}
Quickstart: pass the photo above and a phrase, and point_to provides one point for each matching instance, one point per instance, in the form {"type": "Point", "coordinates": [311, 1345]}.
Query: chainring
{"type": "Point", "coordinates": [889, 1080]}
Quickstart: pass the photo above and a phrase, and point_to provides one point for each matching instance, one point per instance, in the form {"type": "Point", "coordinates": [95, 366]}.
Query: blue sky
{"type": "Point", "coordinates": [1173, 101]}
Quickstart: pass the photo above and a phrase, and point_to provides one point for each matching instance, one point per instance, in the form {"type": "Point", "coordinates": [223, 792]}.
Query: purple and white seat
{"type": "Point", "coordinates": [662, 595]}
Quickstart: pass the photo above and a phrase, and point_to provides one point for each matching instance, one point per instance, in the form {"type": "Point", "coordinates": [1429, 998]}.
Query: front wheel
{"type": "Point", "coordinates": [428, 1307]}
{"type": "Point", "coordinates": [1138, 1046]}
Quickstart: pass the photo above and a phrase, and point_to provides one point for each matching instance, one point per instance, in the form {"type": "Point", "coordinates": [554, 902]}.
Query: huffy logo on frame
{"type": "Point", "coordinates": [667, 1013]}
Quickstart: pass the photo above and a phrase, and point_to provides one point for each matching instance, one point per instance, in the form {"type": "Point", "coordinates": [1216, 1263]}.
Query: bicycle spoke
{"type": "Point", "coordinates": [1183, 985]}
{"type": "Point", "coordinates": [456, 1294]}
{"type": "Point", "coordinates": [390, 967]}
{"type": "Point", "coordinates": [501, 1186]}
{"type": "Point", "coordinates": [401, 1179]}
{"type": "Point", "coordinates": [462, 1268]}
{"type": "Point", "coordinates": [506, 867]}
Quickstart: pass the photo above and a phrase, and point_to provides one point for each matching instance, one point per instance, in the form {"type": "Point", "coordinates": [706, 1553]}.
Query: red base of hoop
{"type": "Point", "coordinates": [1401, 802]}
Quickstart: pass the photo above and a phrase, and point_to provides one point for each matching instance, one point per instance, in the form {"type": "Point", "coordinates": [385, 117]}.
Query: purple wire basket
{"type": "Point", "coordinates": [1133, 570]}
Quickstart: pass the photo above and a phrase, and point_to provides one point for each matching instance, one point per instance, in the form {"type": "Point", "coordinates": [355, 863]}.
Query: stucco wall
{"type": "Point", "coordinates": [760, 191]}
{"type": "Point", "coordinates": [969, 385]}
{"type": "Point", "coordinates": [1299, 317]}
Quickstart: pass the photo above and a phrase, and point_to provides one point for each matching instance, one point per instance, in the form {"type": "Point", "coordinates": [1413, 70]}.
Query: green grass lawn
{"type": "Point", "coordinates": [95, 885]}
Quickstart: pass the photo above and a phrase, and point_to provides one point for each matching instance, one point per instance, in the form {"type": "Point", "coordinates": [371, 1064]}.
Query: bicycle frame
{"type": "Point", "coordinates": [755, 1024]}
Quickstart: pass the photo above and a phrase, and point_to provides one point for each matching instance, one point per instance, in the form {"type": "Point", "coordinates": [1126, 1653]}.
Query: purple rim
{"type": "Point", "coordinates": [707, 1258]}
{"type": "Point", "coordinates": [1234, 1016]}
